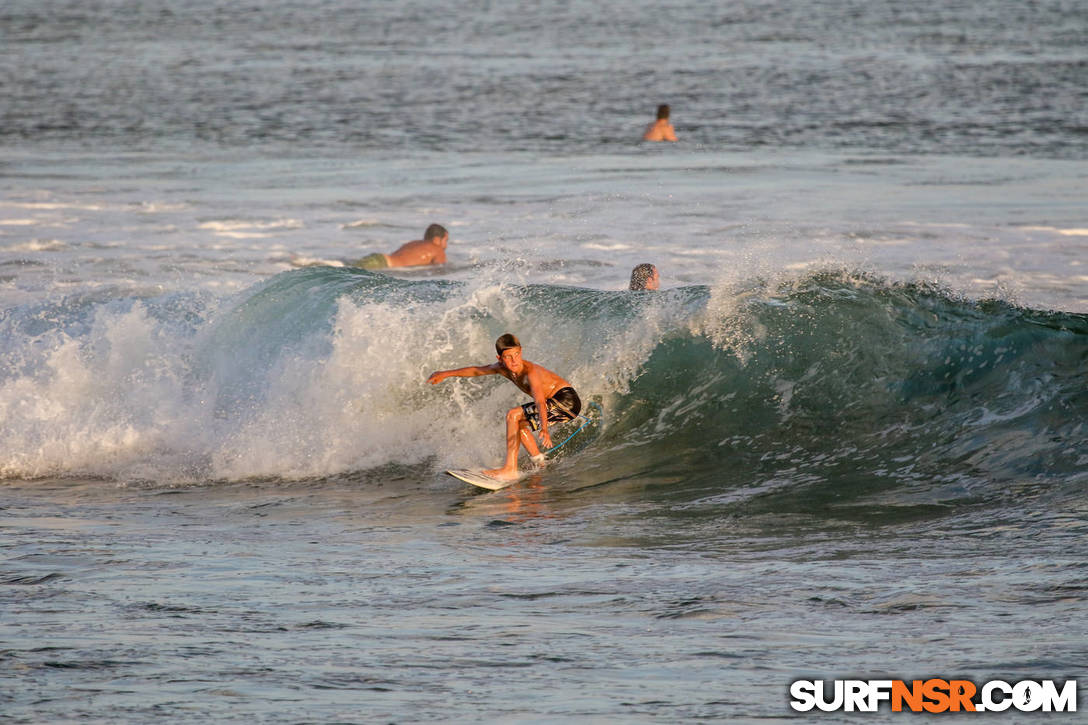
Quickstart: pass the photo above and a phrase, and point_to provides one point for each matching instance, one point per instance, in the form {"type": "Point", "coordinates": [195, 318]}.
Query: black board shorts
{"type": "Point", "coordinates": [564, 405]}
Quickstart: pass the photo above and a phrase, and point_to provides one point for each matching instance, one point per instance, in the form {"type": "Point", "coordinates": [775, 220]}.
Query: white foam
{"type": "Point", "coordinates": [100, 405]}
{"type": "Point", "coordinates": [360, 223]}
{"type": "Point", "coordinates": [299, 260]}
{"type": "Point", "coordinates": [243, 235]}
{"type": "Point", "coordinates": [614, 247]}
{"type": "Point", "coordinates": [51, 205]}
{"type": "Point", "coordinates": [37, 245]}
{"type": "Point", "coordinates": [367, 403]}
{"type": "Point", "coordinates": [158, 207]}
{"type": "Point", "coordinates": [1070, 232]}
{"type": "Point", "coordinates": [134, 400]}
{"type": "Point", "coordinates": [248, 229]}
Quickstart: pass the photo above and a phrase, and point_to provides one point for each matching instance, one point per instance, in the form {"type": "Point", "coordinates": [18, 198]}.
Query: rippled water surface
{"type": "Point", "coordinates": [953, 77]}
{"type": "Point", "coordinates": [332, 602]}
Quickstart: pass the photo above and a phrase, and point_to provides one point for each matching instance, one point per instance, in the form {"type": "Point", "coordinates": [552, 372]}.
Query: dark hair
{"type": "Point", "coordinates": [435, 231]}
{"type": "Point", "coordinates": [641, 274]}
{"type": "Point", "coordinates": [663, 111]}
{"type": "Point", "coordinates": [506, 342]}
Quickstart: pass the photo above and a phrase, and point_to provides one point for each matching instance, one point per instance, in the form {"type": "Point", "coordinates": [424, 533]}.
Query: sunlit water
{"type": "Point", "coordinates": [847, 439]}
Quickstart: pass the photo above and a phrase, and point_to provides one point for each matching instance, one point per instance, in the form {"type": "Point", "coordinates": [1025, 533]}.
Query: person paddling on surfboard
{"type": "Point", "coordinates": [429, 250]}
{"type": "Point", "coordinates": [548, 391]}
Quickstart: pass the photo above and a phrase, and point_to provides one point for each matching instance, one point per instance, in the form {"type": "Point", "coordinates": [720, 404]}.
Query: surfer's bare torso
{"type": "Point", "coordinates": [532, 375]}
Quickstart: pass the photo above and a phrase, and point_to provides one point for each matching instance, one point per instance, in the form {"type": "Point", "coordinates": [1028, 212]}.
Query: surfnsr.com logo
{"type": "Point", "coordinates": [933, 695]}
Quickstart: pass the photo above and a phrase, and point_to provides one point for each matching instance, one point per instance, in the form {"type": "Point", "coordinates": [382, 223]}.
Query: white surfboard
{"type": "Point", "coordinates": [297, 260]}
{"type": "Point", "coordinates": [477, 478]}
{"type": "Point", "coordinates": [592, 422]}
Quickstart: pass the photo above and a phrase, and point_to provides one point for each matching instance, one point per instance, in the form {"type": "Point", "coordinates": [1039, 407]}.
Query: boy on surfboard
{"type": "Point", "coordinates": [548, 391]}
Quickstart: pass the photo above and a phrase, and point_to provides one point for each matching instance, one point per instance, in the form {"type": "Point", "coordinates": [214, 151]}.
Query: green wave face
{"type": "Point", "coordinates": [831, 391]}
{"type": "Point", "coordinates": [833, 379]}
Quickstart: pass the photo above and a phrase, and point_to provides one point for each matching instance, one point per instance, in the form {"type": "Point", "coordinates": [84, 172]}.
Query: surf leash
{"type": "Point", "coordinates": [580, 428]}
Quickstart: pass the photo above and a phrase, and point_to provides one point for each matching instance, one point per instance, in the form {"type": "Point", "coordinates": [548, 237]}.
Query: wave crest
{"type": "Point", "coordinates": [827, 380]}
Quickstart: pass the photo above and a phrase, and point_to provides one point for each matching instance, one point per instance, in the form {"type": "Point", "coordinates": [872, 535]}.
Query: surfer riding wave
{"type": "Point", "coordinates": [549, 391]}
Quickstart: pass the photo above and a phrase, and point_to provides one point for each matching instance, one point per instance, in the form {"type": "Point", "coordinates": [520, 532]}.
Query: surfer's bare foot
{"type": "Point", "coordinates": [501, 474]}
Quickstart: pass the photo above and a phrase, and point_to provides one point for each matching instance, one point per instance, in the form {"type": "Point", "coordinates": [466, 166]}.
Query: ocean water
{"type": "Point", "coordinates": [847, 439]}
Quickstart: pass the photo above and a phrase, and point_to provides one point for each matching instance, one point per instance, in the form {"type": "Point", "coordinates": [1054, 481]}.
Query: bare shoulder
{"type": "Point", "coordinates": [411, 254]}
{"type": "Point", "coordinates": [409, 246]}
{"type": "Point", "coordinates": [497, 368]}
{"type": "Point", "coordinates": [547, 379]}
{"type": "Point", "coordinates": [660, 130]}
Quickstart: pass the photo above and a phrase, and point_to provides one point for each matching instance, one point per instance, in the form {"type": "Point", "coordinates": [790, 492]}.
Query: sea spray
{"type": "Point", "coordinates": [101, 402]}
{"type": "Point", "coordinates": [321, 372]}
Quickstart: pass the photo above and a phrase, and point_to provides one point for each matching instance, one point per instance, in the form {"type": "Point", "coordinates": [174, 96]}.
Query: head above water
{"type": "Point", "coordinates": [663, 112]}
{"type": "Point", "coordinates": [435, 233]}
{"type": "Point", "coordinates": [645, 277]}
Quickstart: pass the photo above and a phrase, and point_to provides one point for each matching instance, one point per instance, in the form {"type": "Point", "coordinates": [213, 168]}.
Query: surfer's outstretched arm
{"type": "Point", "coordinates": [471, 371]}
